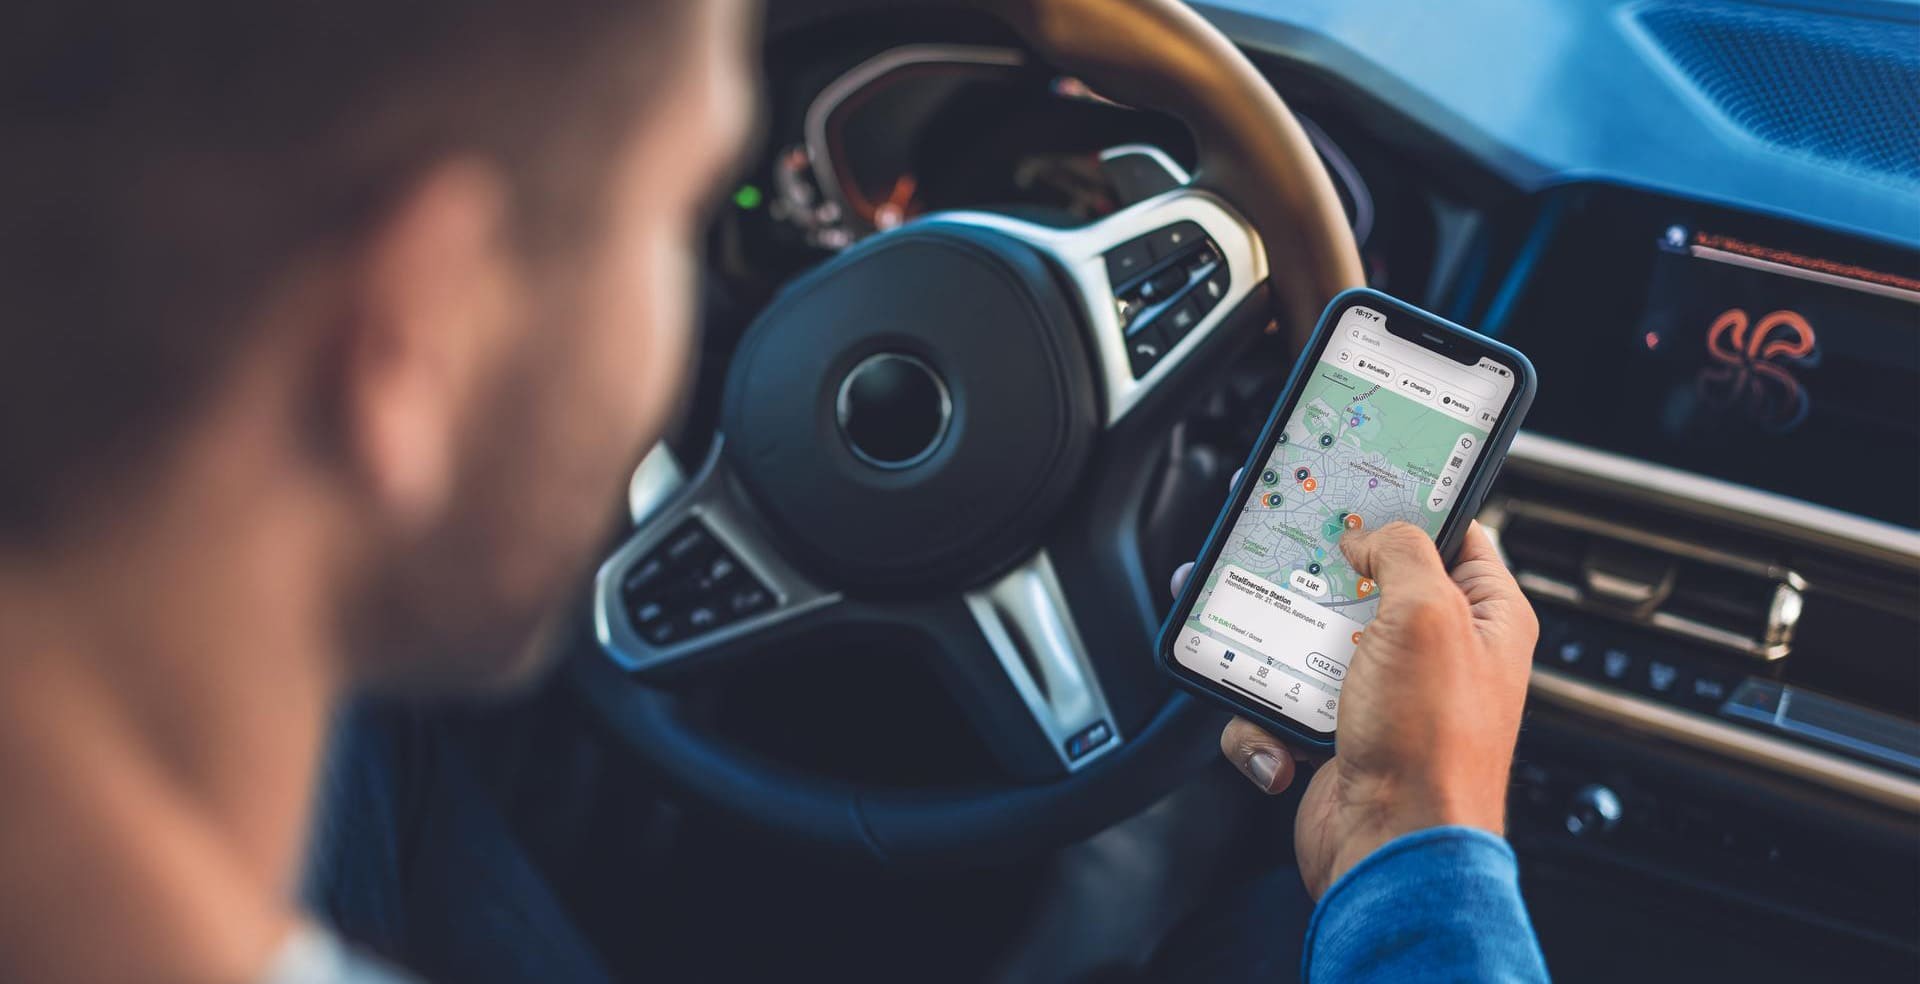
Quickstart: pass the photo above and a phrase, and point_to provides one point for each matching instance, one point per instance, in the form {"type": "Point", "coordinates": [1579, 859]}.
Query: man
{"type": "Point", "coordinates": [331, 330]}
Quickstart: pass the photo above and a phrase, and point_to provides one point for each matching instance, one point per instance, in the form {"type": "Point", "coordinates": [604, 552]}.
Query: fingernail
{"type": "Point", "coordinates": [1265, 767]}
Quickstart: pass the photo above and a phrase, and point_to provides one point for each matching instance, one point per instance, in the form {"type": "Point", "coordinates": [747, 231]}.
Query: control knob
{"type": "Point", "coordinates": [1593, 811]}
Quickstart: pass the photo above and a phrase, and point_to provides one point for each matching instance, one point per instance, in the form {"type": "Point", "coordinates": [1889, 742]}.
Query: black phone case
{"type": "Point", "coordinates": [1485, 470]}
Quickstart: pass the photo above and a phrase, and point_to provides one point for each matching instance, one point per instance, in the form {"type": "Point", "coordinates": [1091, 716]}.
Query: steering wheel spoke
{"type": "Point", "coordinates": [1038, 682]}
{"type": "Point", "coordinates": [1155, 281]}
{"type": "Point", "coordinates": [698, 582]}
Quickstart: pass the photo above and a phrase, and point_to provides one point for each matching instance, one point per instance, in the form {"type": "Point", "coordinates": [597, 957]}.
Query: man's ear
{"type": "Point", "coordinates": [433, 293]}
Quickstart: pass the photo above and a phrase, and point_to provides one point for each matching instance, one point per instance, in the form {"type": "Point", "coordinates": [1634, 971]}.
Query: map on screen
{"type": "Point", "coordinates": [1355, 454]}
{"type": "Point", "coordinates": [1383, 430]}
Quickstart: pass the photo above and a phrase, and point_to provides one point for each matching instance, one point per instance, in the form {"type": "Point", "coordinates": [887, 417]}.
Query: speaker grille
{"type": "Point", "coordinates": [1843, 89]}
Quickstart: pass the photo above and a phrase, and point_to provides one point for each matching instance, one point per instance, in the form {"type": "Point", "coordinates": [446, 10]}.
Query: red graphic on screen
{"type": "Point", "coordinates": [1752, 365]}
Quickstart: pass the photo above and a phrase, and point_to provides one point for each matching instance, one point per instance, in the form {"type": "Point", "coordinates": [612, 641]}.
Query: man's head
{"type": "Point", "coordinates": [438, 252]}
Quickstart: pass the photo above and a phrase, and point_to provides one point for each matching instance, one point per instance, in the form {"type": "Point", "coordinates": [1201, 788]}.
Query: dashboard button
{"type": "Point", "coordinates": [1707, 691]}
{"type": "Point", "coordinates": [1617, 664]}
{"type": "Point", "coordinates": [1571, 655]}
{"type": "Point", "coordinates": [1663, 678]}
{"type": "Point", "coordinates": [1128, 260]}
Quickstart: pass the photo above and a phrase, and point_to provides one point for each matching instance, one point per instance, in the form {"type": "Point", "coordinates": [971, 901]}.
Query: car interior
{"type": "Point", "coordinates": [865, 684]}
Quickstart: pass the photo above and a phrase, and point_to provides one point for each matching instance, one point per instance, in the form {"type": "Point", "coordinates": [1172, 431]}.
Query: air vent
{"type": "Point", "coordinates": [1730, 602]}
{"type": "Point", "coordinates": [1845, 89]}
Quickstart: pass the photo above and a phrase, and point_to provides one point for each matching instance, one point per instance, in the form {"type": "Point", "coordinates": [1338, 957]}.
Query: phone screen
{"type": "Point", "coordinates": [1383, 429]}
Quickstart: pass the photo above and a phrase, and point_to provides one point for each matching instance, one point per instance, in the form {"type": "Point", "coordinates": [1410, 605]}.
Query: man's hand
{"type": "Point", "coordinates": [1430, 710]}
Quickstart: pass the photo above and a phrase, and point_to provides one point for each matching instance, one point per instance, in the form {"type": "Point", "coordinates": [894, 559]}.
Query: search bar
{"type": "Point", "coordinates": [1440, 370]}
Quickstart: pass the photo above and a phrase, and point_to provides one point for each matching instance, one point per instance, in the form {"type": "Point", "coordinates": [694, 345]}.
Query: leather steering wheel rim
{"type": "Point", "coordinates": [1161, 54]}
{"type": "Point", "coordinates": [1253, 156]}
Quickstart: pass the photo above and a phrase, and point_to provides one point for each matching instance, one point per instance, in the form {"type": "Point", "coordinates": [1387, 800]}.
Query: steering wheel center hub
{"type": "Point", "coordinates": [912, 413]}
{"type": "Point", "coordinates": [893, 410]}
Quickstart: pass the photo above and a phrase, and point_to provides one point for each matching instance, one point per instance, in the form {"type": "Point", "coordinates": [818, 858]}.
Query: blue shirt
{"type": "Point", "coordinates": [1435, 905]}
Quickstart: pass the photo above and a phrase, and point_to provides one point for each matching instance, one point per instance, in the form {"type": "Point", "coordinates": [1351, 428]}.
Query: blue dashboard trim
{"type": "Point", "coordinates": [1495, 321]}
{"type": "Point", "coordinates": [1551, 92]}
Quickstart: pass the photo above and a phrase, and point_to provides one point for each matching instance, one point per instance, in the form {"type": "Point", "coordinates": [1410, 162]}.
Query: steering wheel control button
{"type": "Point", "coordinates": [1176, 239]}
{"type": "Point", "coordinates": [748, 600]}
{"type": "Point", "coordinates": [1163, 285]}
{"type": "Point", "coordinates": [1128, 260]}
{"type": "Point", "coordinates": [894, 410]}
{"type": "Point", "coordinates": [1178, 320]}
{"type": "Point", "coordinates": [1214, 287]}
{"type": "Point", "coordinates": [1144, 349]}
{"type": "Point", "coordinates": [1090, 739]}
{"type": "Point", "coordinates": [696, 586]}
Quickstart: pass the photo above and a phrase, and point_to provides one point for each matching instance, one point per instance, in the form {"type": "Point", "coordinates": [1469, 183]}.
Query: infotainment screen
{"type": "Point", "coordinates": [1751, 350]}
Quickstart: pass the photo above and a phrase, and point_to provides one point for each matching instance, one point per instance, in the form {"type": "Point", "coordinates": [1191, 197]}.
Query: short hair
{"type": "Point", "coordinates": [162, 163]}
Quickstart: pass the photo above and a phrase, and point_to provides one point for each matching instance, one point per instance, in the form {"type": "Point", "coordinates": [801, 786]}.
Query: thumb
{"type": "Point", "coordinates": [1399, 556]}
{"type": "Point", "coordinates": [1259, 756]}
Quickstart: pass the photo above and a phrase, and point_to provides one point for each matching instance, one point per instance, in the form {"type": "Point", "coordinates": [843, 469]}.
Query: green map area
{"type": "Point", "coordinates": [1353, 453]}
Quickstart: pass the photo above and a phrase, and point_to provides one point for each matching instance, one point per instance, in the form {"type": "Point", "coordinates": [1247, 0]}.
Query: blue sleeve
{"type": "Point", "coordinates": [1436, 905]}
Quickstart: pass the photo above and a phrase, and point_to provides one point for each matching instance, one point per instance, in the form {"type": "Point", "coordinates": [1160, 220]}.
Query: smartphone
{"type": "Point", "coordinates": [1391, 414]}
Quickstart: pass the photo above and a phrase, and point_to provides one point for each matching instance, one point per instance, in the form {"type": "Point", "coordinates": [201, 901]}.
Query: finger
{"type": "Point", "coordinates": [1479, 571]}
{"type": "Point", "coordinates": [1399, 557]}
{"type": "Point", "coordinates": [1258, 755]}
{"type": "Point", "coordinates": [1500, 609]}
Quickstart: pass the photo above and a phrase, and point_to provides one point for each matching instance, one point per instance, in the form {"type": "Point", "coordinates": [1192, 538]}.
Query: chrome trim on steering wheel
{"type": "Point", "coordinates": [1156, 155]}
{"type": "Point", "coordinates": [656, 480]}
{"type": "Point", "coordinates": [715, 499]}
{"type": "Point", "coordinates": [1081, 253]}
{"type": "Point", "coordinates": [1026, 621]}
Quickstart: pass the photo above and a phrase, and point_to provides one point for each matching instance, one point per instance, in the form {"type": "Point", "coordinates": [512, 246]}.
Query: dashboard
{"type": "Point", "coordinates": [908, 129]}
{"type": "Point", "coordinates": [1716, 501]}
{"type": "Point", "coordinates": [1757, 352]}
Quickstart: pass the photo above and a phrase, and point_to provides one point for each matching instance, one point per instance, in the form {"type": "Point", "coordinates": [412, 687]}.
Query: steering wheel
{"type": "Point", "coordinates": [939, 430]}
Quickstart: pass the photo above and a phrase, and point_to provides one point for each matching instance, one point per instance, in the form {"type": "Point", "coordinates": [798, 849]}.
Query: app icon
{"type": "Point", "coordinates": [1365, 587]}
